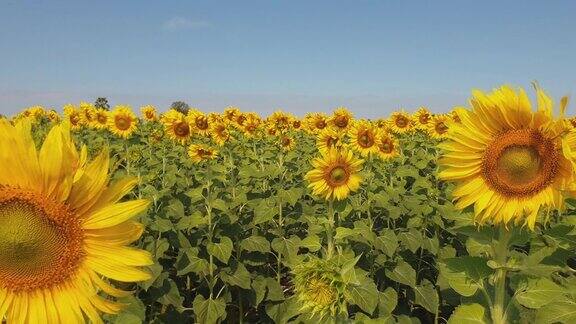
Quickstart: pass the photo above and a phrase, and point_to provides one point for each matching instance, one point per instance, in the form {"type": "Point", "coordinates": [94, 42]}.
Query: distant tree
{"type": "Point", "coordinates": [180, 106]}
{"type": "Point", "coordinates": [102, 103]}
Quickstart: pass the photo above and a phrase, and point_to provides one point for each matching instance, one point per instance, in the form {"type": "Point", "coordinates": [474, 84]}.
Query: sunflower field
{"type": "Point", "coordinates": [124, 216]}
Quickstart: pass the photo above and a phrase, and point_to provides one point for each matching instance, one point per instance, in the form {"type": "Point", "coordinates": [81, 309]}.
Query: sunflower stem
{"type": "Point", "coordinates": [497, 311]}
{"type": "Point", "coordinates": [209, 216]}
{"type": "Point", "coordinates": [330, 229]}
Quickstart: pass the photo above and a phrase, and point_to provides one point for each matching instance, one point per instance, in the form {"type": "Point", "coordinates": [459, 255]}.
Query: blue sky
{"type": "Point", "coordinates": [372, 56]}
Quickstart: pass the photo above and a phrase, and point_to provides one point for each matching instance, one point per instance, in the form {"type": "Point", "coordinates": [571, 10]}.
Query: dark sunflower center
{"type": "Point", "coordinates": [181, 129]}
{"type": "Point", "coordinates": [331, 141]}
{"type": "Point", "coordinates": [122, 122]}
{"type": "Point", "coordinates": [286, 141]}
{"type": "Point", "coordinates": [241, 119]}
{"type": "Point", "coordinates": [74, 119]}
{"type": "Point", "coordinates": [149, 114]}
{"type": "Point", "coordinates": [40, 242]}
{"type": "Point", "coordinates": [296, 124]}
{"type": "Point", "coordinates": [520, 163]}
{"type": "Point", "coordinates": [424, 118]}
{"type": "Point", "coordinates": [386, 146]}
{"type": "Point", "coordinates": [338, 175]}
{"type": "Point", "coordinates": [401, 121]}
{"type": "Point", "coordinates": [366, 139]}
{"type": "Point", "coordinates": [320, 124]}
{"type": "Point", "coordinates": [341, 121]}
{"type": "Point", "coordinates": [201, 123]}
{"type": "Point", "coordinates": [441, 128]}
{"type": "Point", "coordinates": [102, 119]}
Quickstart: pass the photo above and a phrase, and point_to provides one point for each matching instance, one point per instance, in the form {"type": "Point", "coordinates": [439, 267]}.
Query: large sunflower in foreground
{"type": "Point", "coordinates": [122, 121]}
{"type": "Point", "coordinates": [63, 233]}
{"type": "Point", "coordinates": [507, 160]}
{"type": "Point", "coordinates": [335, 174]}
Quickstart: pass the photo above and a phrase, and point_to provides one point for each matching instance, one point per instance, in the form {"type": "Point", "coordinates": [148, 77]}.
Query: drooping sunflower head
{"type": "Point", "coordinates": [341, 119]}
{"type": "Point", "coordinates": [438, 126]}
{"type": "Point", "coordinates": [219, 133]}
{"type": "Point", "coordinates": [363, 136]}
{"type": "Point", "coordinates": [72, 115]}
{"type": "Point", "coordinates": [199, 153]}
{"type": "Point", "coordinates": [400, 122]}
{"type": "Point", "coordinates": [63, 230]}
{"type": "Point", "coordinates": [507, 160]}
{"type": "Point", "coordinates": [101, 118]}
{"type": "Point", "coordinates": [422, 118]}
{"type": "Point", "coordinates": [388, 146]}
{"type": "Point", "coordinates": [320, 288]}
{"type": "Point", "coordinates": [122, 121]}
{"type": "Point", "coordinates": [149, 113]}
{"type": "Point", "coordinates": [335, 174]}
{"type": "Point", "coordinates": [287, 143]}
{"type": "Point", "coordinates": [176, 126]}
{"type": "Point", "coordinates": [199, 122]}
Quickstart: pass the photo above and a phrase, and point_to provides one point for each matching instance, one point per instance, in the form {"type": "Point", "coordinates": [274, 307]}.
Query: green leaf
{"type": "Point", "coordinates": [427, 296]}
{"type": "Point", "coordinates": [343, 232]}
{"type": "Point", "coordinates": [469, 314]}
{"type": "Point", "coordinates": [223, 250]}
{"type": "Point", "coordinates": [197, 219]}
{"type": "Point", "coordinates": [259, 287]}
{"type": "Point", "coordinates": [403, 273]}
{"type": "Point", "coordinates": [195, 194]}
{"type": "Point", "coordinates": [387, 301]}
{"type": "Point", "coordinates": [265, 211]}
{"type": "Point", "coordinates": [412, 239]}
{"type": "Point", "coordinates": [275, 292]}
{"type": "Point", "coordinates": [539, 292]}
{"type": "Point", "coordinates": [282, 313]}
{"type": "Point", "coordinates": [209, 311]}
{"type": "Point", "coordinates": [240, 277]}
{"type": "Point", "coordinates": [312, 243]}
{"type": "Point", "coordinates": [364, 295]}
{"type": "Point", "coordinates": [563, 311]}
{"type": "Point", "coordinates": [256, 244]}
{"type": "Point", "coordinates": [387, 242]}
{"type": "Point", "coordinates": [190, 262]}
{"type": "Point", "coordinates": [172, 297]}
{"type": "Point", "coordinates": [465, 274]}
{"type": "Point", "coordinates": [290, 196]}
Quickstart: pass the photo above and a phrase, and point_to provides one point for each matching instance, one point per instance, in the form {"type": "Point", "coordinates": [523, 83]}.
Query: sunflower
{"type": "Point", "coordinates": [199, 153]}
{"type": "Point", "coordinates": [87, 113]}
{"type": "Point", "coordinates": [341, 119]}
{"type": "Point", "coordinates": [280, 120]}
{"type": "Point", "coordinates": [231, 113]}
{"type": "Point", "coordinates": [53, 116]}
{"type": "Point", "coordinates": [199, 122]}
{"type": "Point", "coordinates": [122, 121]}
{"type": "Point", "coordinates": [176, 126]}
{"type": "Point", "coordinates": [287, 143]}
{"type": "Point", "coordinates": [100, 119]}
{"type": "Point", "coordinates": [63, 233]}
{"type": "Point", "coordinates": [438, 126]}
{"type": "Point", "coordinates": [387, 145]}
{"type": "Point", "coordinates": [507, 160]}
{"type": "Point", "coordinates": [316, 122]}
{"type": "Point", "coordinates": [363, 138]}
{"type": "Point", "coordinates": [251, 125]}
{"type": "Point", "coordinates": [335, 174]}
{"type": "Point", "coordinates": [422, 118]}
{"type": "Point", "coordinates": [400, 122]}
{"type": "Point", "coordinates": [149, 113]}
{"type": "Point", "coordinates": [296, 124]}
{"type": "Point", "coordinates": [320, 288]}
{"type": "Point", "coordinates": [219, 133]}
{"type": "Point", "coordinates": [328, 139]}
{"type": "Point", "coordinates": [72, 114]}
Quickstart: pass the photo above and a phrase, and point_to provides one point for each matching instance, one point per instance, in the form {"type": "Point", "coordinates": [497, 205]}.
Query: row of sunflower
{"type": "Point", "coordinates": [232, 217]}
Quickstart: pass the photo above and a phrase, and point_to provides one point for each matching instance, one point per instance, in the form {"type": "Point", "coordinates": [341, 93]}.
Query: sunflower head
{"type": "Point", "coordinates": [280, 120]}
{"type": "Point", "coordinates": [341, 119]}
{"type": "Point", "coordinates": [335, 174]}
{"type": "Point", "coordinates": [87, 113]}
{"type": "Point", "coordinates": [287, 143]}
{"type": "Point", "coordinates": [72, 115]}
{"type": "Point", "coordinates": [387, 145]}
{"type": "Point", "coordinates": [438, 126]}
{"type": "Point", "coordinates": [63, 230]}
{"type": "Point", "coordinates": [328, 139]}
{"type": "Point", "coordinates": [219, 133]}
{"type": "Point", "coordinates": [176, 126]}
{"type": "Point", "coordinates": [400, 122]}
{"type": "Point", "coordinates": [199, 153]}
{"type": "Point", "coordinates": [122, 121]}
{"type": "Point", "coordinates": [320, 288]}
{"type": "Point", "coordinates": [149, 113]}
{"type": "Point", "coordinates": [100, 118]}
{"type": "Point", "coordinates": [231, 113]}
{"type": "Point", "coordinates": [199, 122]}
{"type": "Point", "coordinates": [251, 125]}
{"type": "Point", "coordinates": [316, 122]}
{"type": "Point", "coordinates": [507, 160]}
{"type": "Point", "coordinates": [421, 118]}
{"type": "Point", "coordinates": [53, 116]}
{"type": "Point", "coordinates": [363, 137]}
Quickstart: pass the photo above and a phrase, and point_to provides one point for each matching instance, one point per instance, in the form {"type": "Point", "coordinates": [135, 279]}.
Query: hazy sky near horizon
{"type": "Point", "coordinates": [371, 56]}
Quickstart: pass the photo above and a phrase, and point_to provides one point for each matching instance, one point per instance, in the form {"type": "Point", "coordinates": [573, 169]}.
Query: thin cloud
{"type": "Point", "coordinates": [181, 23]}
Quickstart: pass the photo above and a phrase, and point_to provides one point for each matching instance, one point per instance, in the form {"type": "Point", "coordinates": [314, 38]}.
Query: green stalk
{"type": "Point", "coordinates": [280, 219]}
{"type": "Point", "coordinates": [497, 311]}
{"type": "Point", "coordinates": [330, 229]}
{"type": "Point", "coordinates": [209, 216]}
